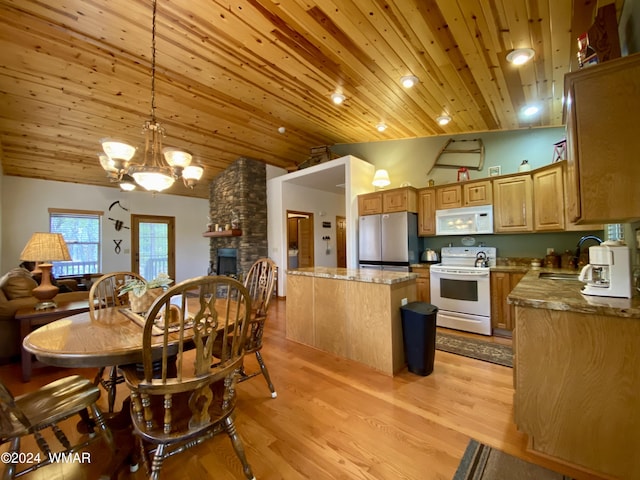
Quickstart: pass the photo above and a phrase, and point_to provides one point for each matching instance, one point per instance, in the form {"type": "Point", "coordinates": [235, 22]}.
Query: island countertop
{"type": "Point", "coordinates": [566, 295]}
{"type": "Point", "coordinates": [355, 274]}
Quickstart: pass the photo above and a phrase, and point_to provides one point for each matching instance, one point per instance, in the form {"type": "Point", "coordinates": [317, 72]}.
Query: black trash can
{"type": "Point", "coordinates": [419, 335]}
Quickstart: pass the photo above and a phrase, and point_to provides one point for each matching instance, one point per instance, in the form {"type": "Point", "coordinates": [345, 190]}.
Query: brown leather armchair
{"type": "Point", "coordinates": [15, 293]}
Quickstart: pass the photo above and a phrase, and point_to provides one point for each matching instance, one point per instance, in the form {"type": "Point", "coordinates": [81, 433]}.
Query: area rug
{"type": "Point", "coordinates": [481, 462]}
{"type": "Point", "coordinates": [478, 349]}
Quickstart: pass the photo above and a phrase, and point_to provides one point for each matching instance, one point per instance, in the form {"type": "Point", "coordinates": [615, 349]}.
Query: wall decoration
{"type": "Point", "coordinates": [326, 224]}
{"type": "Point", "coordinates": [117, 242]}
{"type": "Point", "coordinates": [495, 171]}
{"type": "Point", "coordinates": [560, 151]}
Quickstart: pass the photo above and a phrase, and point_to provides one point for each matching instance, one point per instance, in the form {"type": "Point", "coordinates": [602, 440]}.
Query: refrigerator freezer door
{"type": "Point", "coordinates": [369, 239]}
{"type": "Point", "coordinates": [399, 237]}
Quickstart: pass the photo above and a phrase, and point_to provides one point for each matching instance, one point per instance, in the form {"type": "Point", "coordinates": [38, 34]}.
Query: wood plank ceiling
{"type": "Point", "coordinates": [230, 73]}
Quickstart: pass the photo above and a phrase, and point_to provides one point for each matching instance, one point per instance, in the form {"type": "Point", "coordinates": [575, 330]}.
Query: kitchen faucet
{"type": "Point", "coordinates": [581, 241]}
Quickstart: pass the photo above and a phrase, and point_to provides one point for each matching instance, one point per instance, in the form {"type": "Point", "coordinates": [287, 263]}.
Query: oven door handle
{"type": "Point", "coordinates": [458, 273]}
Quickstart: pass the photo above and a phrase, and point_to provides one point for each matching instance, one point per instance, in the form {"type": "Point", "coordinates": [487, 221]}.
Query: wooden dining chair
{"type": "Point", "coordinates": [105, 293]}
{"type": "Point", "coordinates": [260, 282]}
{"type": "Point", "coordinates": [183, 395]}
{"type": "Point", "coordinates": [35, 412]}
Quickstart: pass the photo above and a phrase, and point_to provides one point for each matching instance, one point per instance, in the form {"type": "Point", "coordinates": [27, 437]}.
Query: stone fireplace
{"type": "Point", "coordinates": [238, 195]}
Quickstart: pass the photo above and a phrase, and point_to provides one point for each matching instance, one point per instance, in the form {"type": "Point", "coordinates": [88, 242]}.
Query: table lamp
{"type": "Point", "coordinates": [45, 247]}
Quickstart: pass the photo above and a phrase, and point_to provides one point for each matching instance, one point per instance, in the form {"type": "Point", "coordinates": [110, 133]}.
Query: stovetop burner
{"type": "Point", "coordinates": [466, 256]}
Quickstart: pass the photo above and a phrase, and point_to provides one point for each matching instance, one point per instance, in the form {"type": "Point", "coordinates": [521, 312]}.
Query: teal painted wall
{"type": "Point", "coordinates": [524, 245]}
{"type": "Point", "coordinates": [411, 160]}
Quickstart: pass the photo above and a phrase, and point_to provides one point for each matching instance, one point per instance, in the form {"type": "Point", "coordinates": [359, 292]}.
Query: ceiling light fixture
{"type": "Point", "coordinates": [337, 98]}
{"type": "Point", "coordinates": [530, 110]}
{"type": "Point", "coordinates": [381, 127]}
{"type": "Point", "coordinates": [160, 167]}
{"type": "Point", "coordinates": [409, 81]}
{"type": "Point", "coordinates": [520, 56]}
{"type": "Point", "coordinates": [443, 119]}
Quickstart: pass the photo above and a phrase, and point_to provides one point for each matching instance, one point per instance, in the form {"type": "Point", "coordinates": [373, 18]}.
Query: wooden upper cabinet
{"type": "Point", "coordinates": [427, 212]}
{"type": "Point", "coordinates": [477, 193]}
{"type": "Point", "coordinates": [603, 142]}
{"type": "Point", "coordinates": [370, 203]}
{"type": "Point", "coordinates": [512, 204]}
{"type": "Point", "coordinates": [403, 199]}
{"type": "Point", "coordinates": [449, 196]}
{"type": "Point", "coordinates": [548, 194]}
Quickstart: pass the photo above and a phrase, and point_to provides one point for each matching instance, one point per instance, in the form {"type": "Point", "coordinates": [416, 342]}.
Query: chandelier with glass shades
{"type": "Point", "coordinates": [160, 167]}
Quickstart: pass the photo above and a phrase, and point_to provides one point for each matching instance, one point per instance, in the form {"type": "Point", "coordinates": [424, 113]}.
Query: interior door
{"type": "Point", "coordinates": [305, 242]}
{"type": "Point", "coordinates": [153, 245]}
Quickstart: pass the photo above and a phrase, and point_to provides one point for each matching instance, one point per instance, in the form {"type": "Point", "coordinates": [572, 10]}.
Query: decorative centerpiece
{"type": "Point", "coordinates": [144, 293]}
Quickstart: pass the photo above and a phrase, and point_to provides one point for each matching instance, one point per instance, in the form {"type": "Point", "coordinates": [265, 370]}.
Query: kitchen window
{"type": "Point", "coordinates": [82, 231]}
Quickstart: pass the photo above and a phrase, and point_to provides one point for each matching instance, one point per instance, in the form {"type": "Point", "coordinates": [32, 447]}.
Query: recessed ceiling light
{"type": "Point", "coordinates": [520, 56]}
{"type": "Point", "coordinates": [530, 110]}
{"type": "Point", "coordinates": [381, 127]}
{"type": "Point", "coordinates": [409, 81]}
{"type": "Point", "coordinates": [337, 98]}
{"type": "Point", "coordinates": [443, 119]}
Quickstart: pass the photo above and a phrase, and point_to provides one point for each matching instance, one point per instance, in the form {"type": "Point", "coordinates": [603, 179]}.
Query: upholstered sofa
{"type": "Point", "coordinates": [15, 293]}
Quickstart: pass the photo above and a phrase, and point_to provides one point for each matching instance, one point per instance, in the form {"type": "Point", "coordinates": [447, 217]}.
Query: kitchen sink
{"type": "Point", "coordinates": [558, 276]}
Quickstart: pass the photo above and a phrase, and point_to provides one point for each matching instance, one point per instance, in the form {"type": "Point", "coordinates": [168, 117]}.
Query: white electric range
{"type": "Point", "coordinates": [461, 290]}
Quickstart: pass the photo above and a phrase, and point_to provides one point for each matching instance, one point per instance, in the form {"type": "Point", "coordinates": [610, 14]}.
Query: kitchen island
{"type": "Point", "coordinates": [577, 374]}
{"type": "Point", "coordinates": [353, 313]}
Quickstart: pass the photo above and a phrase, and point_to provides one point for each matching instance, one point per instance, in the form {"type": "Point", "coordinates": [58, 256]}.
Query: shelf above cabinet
{"type": "Point", "coordinates": [224, 233]}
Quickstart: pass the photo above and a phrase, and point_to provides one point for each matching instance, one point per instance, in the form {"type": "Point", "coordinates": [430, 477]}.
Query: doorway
{"type": "Point", "coordinates": [300, 244]}
{"type": "Point", "coordinates": [153, 245]}
{"type": "Point", "coordinates": [341, 241]}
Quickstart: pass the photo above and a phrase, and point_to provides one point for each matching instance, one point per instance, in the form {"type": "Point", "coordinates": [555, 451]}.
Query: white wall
{"type": "Point", "coordinates": [24, 205]}
{"type": "Point", "coordinates": [324, 206]}
{"type": "Point", "coordinates": [283, 195]}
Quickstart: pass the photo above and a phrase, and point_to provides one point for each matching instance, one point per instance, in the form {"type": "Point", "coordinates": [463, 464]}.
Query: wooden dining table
{"type": "Point", "coordinates": [77, 341]}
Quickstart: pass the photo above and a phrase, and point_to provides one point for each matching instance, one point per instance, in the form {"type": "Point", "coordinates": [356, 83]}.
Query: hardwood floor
{"type": "Point", "coordinates": [336, 419]}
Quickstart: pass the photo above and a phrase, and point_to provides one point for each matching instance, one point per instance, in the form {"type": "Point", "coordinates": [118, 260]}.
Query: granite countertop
{"type": "Point", "coordinates": [566, 295]}
{"type": "Point", "coordinates": [511, 268]}
{"type": "Point", "coordinates": [355, 274]}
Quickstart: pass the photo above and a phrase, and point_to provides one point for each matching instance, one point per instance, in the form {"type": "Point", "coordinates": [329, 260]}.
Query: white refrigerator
{"type": "Point", "coordinates": [388, 241]}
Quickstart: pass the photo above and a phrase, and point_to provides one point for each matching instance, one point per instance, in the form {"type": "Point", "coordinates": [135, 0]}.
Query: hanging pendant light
{"type": "Point", "coordinates": [160, 167]}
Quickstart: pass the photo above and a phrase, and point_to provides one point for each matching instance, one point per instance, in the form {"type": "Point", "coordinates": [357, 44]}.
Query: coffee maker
{"type": "Point", "coordinates": [608, 273]}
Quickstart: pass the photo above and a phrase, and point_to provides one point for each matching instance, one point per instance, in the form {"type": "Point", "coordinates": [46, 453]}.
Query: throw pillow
{"type": "Point", "coordinates": [17, 283]}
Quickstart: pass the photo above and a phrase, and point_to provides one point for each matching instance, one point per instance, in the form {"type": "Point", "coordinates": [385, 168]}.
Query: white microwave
{"type": "Point", "coordinates": [465, 220]}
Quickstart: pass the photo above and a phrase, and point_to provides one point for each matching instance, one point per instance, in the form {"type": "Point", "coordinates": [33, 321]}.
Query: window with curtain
{"type": "Point", "coordinates": [82, 232]}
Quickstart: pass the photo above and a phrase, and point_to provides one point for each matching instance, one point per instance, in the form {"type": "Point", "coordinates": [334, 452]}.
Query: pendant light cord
{"type": "Point", "coordinates": [153, 64]}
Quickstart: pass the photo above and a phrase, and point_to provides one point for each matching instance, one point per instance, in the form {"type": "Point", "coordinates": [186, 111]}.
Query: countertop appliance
{"type": "Point", "coordinates": [609, 272]}
{"type": "Point", "coordinates": [388, 241]}
{"type": "Point", "coordinates": [465, 220]}
{"type": "Point", "coordinates": [460, 288]}
{"type": "Point", "coordinates": [430, 256]}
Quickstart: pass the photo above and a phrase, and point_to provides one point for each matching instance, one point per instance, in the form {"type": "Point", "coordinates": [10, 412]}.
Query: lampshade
{"type": "Point", "coordinates": [176, 158]}
{"type": "Point", "coordinates": [45, 247]}
{"type": "Point", "coordinates": [117, 150]}
{"type": "Point", "coordinates": [381, 178]}
{"type": "Point", "coordinates": [153, 179]}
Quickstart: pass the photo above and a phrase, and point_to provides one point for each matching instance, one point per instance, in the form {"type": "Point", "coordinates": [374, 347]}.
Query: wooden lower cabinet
{"type": "Point", "coordinates": [357, 320]}
{"type": "Point", "coordinates": [577, 384]}
{"type": "Point", "coordinates": [423, 283]}
{"type": "Point", "coordinates": [502, 313]}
